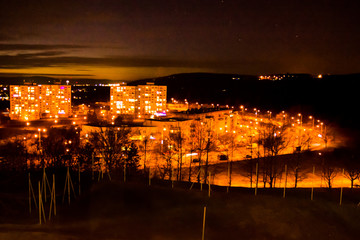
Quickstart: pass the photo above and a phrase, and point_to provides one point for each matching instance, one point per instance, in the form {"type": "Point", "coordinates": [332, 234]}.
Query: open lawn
{"type": "Point", "coordinates": [133, 210]}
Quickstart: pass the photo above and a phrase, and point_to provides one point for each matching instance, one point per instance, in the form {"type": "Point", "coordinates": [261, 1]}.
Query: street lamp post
{"type": "Point", "coordinates": [284, 117]}
{"type": "Point", "coordinates": [313, 121]}
{"type": "Point", "coordinates": [39, 130]}
{"type": "Point", "coordinates": [40, 147]}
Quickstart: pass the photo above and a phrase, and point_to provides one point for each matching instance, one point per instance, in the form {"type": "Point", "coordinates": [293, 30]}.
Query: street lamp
{"type": "Point", "coordinates": [242, 108]}
{"type": "Point", "coordinates": [313, 121]}
{"type": "Point", "coordinates": [284, 116]}
{"type": "Point", "coordinates": [39, 130]}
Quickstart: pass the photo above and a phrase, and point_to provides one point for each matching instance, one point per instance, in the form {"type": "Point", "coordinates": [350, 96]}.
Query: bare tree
{"type": "Point", "coordinates": [329, 169]}
{"type": "Point", "coordinates": [350, 162]}
{"type": "Point", "coordinates": [202, 141]}
{"type": "Point", "coordinates": [296, 167]}
{"type": "Point", "coordinates": [13, 155]}
{"type": "Point", "coordinates": [328, 174]}
{"type": "Point", "coordinates": [112, 142]}
{"type": "Point", "coordinates": [228, 143]}
{"type": "Point", "coordinates": [60, 146]}
{"type": "Point", "coordinates": [191, 146]}
{"type": "Point", "coordinates": [273, 142]}
{"type": "Point", "coordinates": [167, 153]}
{"type": "Point", "coordinates": [86, 156]}
{"type": "Point", "coordinates": [177, 137]}
{"type": "Point", "coordinates": [352, 172]}
{"type": "Point", "coordinates": [305, 139]}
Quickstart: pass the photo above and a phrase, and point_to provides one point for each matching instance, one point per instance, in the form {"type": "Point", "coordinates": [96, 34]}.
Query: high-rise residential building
{"type": "Point", "coordinates": [151, 99]}
{"type": "Point", "coordinates": [55, 100]}
{"type": "Point", "coordinates": [32, 102]}
{"type": "Point", "coordinates": [122, 99]}
{"type": "Point", "coordinates": [141, 100]}
{"type": "Point", "coordinates": [24, 102]}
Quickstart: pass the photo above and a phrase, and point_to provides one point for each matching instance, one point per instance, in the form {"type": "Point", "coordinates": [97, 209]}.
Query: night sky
{"type": "Point", "coordinates": [126, 40]}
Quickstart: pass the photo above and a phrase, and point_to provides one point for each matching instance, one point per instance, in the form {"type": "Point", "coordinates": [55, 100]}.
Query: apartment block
{"type": "Point", "coordinates": [151, 99]}
{"type": "Point", "coordinates": [141, 100]}
{"type": "Point", "coordinates": [55, 101]}
{"type": "Point", "coordinates": [32, 102]}
{"type": "Point", "coordinates": [24, 102]}
{"type": "Point", "coordinates": [122, 99]}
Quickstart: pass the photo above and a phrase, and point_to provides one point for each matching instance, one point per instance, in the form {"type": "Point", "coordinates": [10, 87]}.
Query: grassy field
{"type": "Point", "coordinates": [132, 210]}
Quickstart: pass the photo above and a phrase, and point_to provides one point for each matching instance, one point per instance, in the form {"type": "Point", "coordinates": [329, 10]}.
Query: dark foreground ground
{"type": "Point", "coordinates": [117, 210]}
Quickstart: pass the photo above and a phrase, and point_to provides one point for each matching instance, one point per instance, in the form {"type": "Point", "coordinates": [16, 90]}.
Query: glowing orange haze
{"type": "Point", "coordinates": [102, 72]}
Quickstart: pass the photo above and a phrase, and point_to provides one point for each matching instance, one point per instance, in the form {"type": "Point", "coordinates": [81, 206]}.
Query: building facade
{"type": "Point", "coordinates": [122, 99]}
{"type": "Point", "coordinates": [24, 102]}
{"type": "Point", "coordinates": [55, 101]}
{"type": "Point", "coordinates": [32, 102]}
{"type": "Point", "coordinates": [141, 100]}
{"type": "Point", "coordinates": [151, 99]}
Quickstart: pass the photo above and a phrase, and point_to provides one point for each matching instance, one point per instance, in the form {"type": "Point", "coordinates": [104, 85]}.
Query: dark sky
{"type": "Point", "coordinates": [125, 40]}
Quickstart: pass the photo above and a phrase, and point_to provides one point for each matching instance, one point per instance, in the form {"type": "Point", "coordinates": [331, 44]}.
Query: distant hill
{"type": "Point", "coordinates": [50, 80]}
{"type": "Point", "coordinates": [333, 97]}
{"type": "Point", "coordinates": [201, 87]}
{"type": "Point", "coordinates": [21, 80]}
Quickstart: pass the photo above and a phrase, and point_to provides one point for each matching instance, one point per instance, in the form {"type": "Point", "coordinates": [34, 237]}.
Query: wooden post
{"type": "Point", "coordinates": [312, 185]}
{"type": "Point", "coordinates": [285, 181]}
{"type": "Point", "coordinates": [39, 202]}
{"type": "Point", "coordinates": [92, 167]}
{"type": "Point", "coordinates": [71, 185]}
{"type": "Point", "coordinates": [341, 190]}
{"type": "Point", "coordinates": [41, 206]}
{"type": "Point", "coordinates": [54, 194]}
{"type": "Point", "coordinates": [53, 199]}
{"type": "Point", "coordinates": [79, 180]}
{"type": "Point", "coordinates": [149, 176]}
{"type": "Point", "coordinates": [203, 227]}
{"type": "Point", "coordinates": [33, 193]}
{"type": "Point", "coordinates": [108, 173]}
{"type": "Point", "coordinates": [257, 178]}
{"type": "Point", "coordinates": [172, 177]}
{"type": "Point", "coordinates": [68, 184]}
{"type": "Point", "coordinates": [29, 193]}
{"type": "Point", "coordinates": [209, 184]}
{"type": "Point", "coordinates": [44, 183]}
{"type": "Point", "coordinates": [228, 175]}
{"type": "Point", "coordinates": [124, 171]}
{"type": "Point", "coordinates": [201, 182]}
{"type": "Point", "coordinates": [192, 184]}
{"type": "Point", "coordinates": [51, 203]}
{"type": "Point", "coordinates": [341, 194]}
